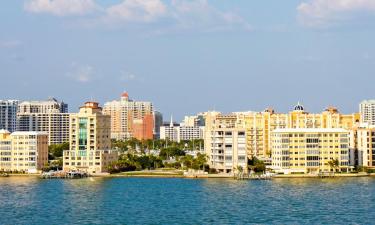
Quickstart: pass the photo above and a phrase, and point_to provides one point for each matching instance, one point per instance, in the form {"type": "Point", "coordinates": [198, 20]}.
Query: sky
{"type": "Point", "coordinates": [190, 56]}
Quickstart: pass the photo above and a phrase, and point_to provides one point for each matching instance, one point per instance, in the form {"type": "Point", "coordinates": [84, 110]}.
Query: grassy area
{"type": "Point", "coordinates": [170, 172]}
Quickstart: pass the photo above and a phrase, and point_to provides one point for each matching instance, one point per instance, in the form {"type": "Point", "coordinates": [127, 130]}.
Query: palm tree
{"type": "Point", "coordinates": [334, 164]}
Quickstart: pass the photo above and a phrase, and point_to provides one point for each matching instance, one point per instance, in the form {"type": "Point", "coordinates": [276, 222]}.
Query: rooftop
{"type": "Point", "coordinates": [310, 130]}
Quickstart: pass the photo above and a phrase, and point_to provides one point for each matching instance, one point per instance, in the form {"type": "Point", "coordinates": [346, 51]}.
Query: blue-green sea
{"type": "Point", "coordinates": [30, 200]}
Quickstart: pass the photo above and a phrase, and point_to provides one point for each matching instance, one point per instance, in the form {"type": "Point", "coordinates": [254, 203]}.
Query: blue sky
{"type": "Point", "coordinates": [189, 56]}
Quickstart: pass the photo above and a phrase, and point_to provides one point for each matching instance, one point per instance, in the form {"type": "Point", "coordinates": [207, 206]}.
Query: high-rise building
{"type": "Point", "coordinates": [225, 142]}
{"type": "Point", "coordinates": [143, 129]}
{"type": "Point", "coordinates": [367, 111]}
{"type": "Point", "coordinates": [23, 151]}
{"type": "Point", "coordinates": [126, 113]}
{"type": "Point", "coordinates": [49, 106]}
{"type": "Point", "coordinates": [8, 114]}
{"type": "Point", "coordinates": [90, 142]}
{"type": "Point", "coordinates": [158, 122]}
{"type": "Point", "coordinates": [48, 116]}
{"type": "Point", "coordinates": [310, 150]}
{"type": "Point", "coordinates": [362, 143]}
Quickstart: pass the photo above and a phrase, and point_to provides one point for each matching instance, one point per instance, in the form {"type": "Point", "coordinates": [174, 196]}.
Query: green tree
{"type": "Point", "coordinates": [256, 165]}
{"type": "Point", "coordinates": [56, 150]}
{"type": "Point", "coordinates": [334, 164]}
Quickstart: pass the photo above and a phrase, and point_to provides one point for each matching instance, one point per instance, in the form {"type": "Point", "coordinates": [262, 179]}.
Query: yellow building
{"type": "Point", "coordinates": [310, 150]}
{"type": "Point", "coordinates": [23, 151]}
{"type": "Point", "coordinates": [259, 125]}
{"type": "Point", "coordinates": [90, 142]}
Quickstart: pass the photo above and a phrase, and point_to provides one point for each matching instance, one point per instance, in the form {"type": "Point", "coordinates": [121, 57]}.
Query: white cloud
{"type": "Point", "coordinates": [81, 73]}
{"type": "Point", "coordinates": [165, 16]}
{"type": "Point", "coordinates": [324, 13]}
{"type": "Point", "coordinates": [173, 16]}
{"type": "Point", "coordinates": [61, 7]}
{"type": "Point", "coordinates": [137, 11]}
{"type": "Point", "coordinates": [199, 14]}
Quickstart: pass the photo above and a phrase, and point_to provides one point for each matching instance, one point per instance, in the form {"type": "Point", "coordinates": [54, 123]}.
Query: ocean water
{"type": "Point", "coordinates": [30, 200]}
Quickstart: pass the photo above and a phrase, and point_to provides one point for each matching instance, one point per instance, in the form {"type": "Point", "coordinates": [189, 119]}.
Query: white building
{"type": "Point", "coordinates": [49, 106]}
{"type": "Point", "coordinates": [181, 132]}
{"type": "Point", "coordinates": [367, 111]}
{"type": "Point", "coordinates": [362, 146]}
{"type": "Point", "coordinates": [48, 116]}
{"type": "Point", "coordinates": [225, 142]}
{"type": "Point", "coordinates": [8, 114]}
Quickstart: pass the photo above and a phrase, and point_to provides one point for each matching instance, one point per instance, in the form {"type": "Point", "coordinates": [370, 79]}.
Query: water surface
{"type": "Point", "coordinates": [29, 200]}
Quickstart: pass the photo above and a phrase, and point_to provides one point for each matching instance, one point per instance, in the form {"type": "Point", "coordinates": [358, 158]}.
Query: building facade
{"type": "Point", "coordinates": [310, 150]}
{"type": "Point", "coordinates": [48, 116]}
{"type": "Point", "coordinates": [55, 124]}
{"type": "Point", "coordinates": [23, 151]}
{"type": "Point", "coordinates": [49, 106]}
{"type": "Point", "coordinates": [90, 142]}
{"type": "Point", "coordinates": [158, 122]}
{"type": "Point", "coordinates": [259, 125]}
{"type": "Point", "coordinates": [125, 114]}
{"type": "Point", "coordinates": [367, 111]}
{"type": "Point", "coordinates": [8, 114]}
{"type": "Point", "coordinates": [225, 142]}
{"type": "Point", "coordinates": [363, 146]}
{"type": "Point", "coordinates": [181, 132]}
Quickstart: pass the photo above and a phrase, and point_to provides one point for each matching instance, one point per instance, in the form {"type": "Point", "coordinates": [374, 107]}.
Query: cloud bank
{"type": "Point", "coordinates": [326, 13]}
{"type": "Point", "coordinates": [169, 15]}
{"type": "Point", "coordinates": [61, 7]}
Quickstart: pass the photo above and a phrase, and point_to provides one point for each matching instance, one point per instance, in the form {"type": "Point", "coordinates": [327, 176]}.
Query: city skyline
{"type": "Point", "coordinates": [190, 56]}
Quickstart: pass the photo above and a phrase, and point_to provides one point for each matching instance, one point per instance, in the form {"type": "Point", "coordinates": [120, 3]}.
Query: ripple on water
{"type": "Point", "coordinates": [27, 200]}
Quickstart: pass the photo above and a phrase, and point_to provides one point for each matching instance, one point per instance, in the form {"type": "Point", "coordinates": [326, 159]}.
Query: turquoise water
{"type": "Point", "coordinates": [25, 200]}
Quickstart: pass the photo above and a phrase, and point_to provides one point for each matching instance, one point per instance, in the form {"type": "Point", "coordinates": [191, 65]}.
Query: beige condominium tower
{"type": "Point", "coordinates": [90, 142]}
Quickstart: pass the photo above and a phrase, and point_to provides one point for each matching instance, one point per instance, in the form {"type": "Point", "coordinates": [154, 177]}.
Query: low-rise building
{"type": "Point", "coordinates": [182, 132]}
{"type": "Point", "coordinates": [310, 150]}
{"type": "Point", "coordinates": [23, 151]}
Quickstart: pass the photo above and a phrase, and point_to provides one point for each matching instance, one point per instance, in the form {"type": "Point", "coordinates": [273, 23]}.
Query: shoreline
{"type": "Point", "coordinates": [206, 176]}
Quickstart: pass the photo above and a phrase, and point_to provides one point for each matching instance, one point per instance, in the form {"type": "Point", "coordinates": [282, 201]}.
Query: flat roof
{"type": "Point", "coordinates": [311, 130]}
{"type": "Point", "coordinates": [29, 133]}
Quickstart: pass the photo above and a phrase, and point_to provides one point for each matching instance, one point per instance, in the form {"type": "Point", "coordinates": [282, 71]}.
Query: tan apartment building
{"type": "Point", "coordinates": [23, 151]}
{"type": "Point", "coordinates": [90, 142]}
{"type": "Point", "coordinates": [310, 150]}
{"type": "Point", "coordinates": [259, 125]}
